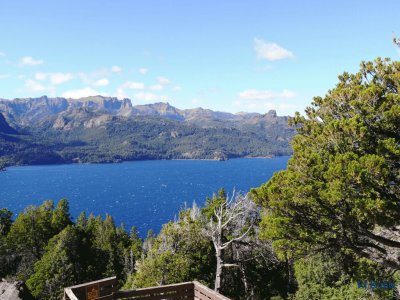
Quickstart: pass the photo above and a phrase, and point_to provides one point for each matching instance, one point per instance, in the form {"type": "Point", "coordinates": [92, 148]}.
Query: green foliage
{"type": "Point", "coordinates": [29, 235]}
{"type": "Point", "coordinates": [179, 253]}
{"type": "Point", "coordinates": [342, 182]}
{"type": "Point", "coordinates": [44, 247]}
{"type": "Point", "coordinates": [5, 221]}
{"type": "Point", "coordinates": [61, 217]}
{"type": "Point", "coordinates": [323, 276]}
{"type": "Point", "coordinates": [63, 264]}
{"type": "Point", "coordinates": [166, 268]}
{"type": "Point", "coordinates": [212, 203]}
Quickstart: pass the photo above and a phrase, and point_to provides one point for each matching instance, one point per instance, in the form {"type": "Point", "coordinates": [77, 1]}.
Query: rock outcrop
{"type": "Point", "coordinates": [14, 291]}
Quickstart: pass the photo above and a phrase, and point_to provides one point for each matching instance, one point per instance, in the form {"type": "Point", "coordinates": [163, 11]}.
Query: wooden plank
{"type": "Point", "coordinates": [70, 294]}
{"type": "Point", "coordinates": [110, 280]}
{"type": "Point", "coordinates": [213, 295]}
{"type": "Point", "coordinates": [107, 297]}
{"type": "Point", "coordinates": [94, 289]}
{"type": "Point", "coordinates": [156, 296]}
{"type": "Point", "coordinates": [155, 290]}
{"type": "Point", "coordinates": [106, 290]}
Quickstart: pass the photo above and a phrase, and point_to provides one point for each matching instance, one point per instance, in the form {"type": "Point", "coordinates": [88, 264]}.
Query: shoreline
{"type": "Point", "coordinates": [4, 169]}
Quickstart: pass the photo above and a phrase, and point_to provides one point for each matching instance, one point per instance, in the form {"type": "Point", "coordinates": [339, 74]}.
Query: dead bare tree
{"type": "Point", "coordinates": [232, 217]}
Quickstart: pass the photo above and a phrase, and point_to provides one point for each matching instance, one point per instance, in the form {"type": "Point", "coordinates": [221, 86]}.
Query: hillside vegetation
{"type": "Point", "coordinates": [100, 129]}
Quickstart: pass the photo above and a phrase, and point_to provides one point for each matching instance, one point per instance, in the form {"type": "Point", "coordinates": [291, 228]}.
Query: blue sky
{"type": "Point", "coordinates": [223, 55]}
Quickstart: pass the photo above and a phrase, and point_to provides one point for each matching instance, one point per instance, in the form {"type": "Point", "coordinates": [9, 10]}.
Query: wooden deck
{"type": "Point", "coordinates": [106, 289]}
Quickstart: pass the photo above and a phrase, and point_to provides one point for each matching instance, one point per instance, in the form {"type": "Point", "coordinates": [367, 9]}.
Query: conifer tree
{"type": "Point", "coordinates": [341, 189]}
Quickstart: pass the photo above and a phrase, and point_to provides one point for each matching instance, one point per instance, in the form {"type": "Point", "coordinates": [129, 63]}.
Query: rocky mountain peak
{"type": "Point", "coordinates": [271, 113]}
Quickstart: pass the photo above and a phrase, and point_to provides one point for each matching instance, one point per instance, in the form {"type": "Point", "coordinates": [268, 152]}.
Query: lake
{"type": "Point", "coordinates": [146, 194]}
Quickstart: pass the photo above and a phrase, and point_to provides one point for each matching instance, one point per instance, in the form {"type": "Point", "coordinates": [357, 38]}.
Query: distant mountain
{"type": "Point", "coordinates": [105, 129]}
{"type": "Point", "coordinates": [31, 110]}
{"type": "Point", "coordinates": [4, 127]}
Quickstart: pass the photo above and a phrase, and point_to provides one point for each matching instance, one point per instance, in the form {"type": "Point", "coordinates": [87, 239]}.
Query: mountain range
{"type": "Point", "coordinates": [104, 129]}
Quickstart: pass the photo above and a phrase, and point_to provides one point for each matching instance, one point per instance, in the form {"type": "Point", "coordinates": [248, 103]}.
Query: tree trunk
{"type": "Point", "coordinates": [247, 291]}
{"type": "Point", "coordinates": [290, 275]}
{"type": "Point", "coordinates": [218, 272]}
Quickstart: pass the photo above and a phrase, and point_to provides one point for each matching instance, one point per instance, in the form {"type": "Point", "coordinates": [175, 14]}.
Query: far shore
{"type": "Point", "coordinates": [4, 168]}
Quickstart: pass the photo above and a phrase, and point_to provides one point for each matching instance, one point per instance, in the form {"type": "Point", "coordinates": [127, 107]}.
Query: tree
{"type": "Point", "coordinates": [341, 188]}
{"type": "Point", "coordinates": [5, 221]}
{"type": "Point", "coordinates": [231, 222]}
{"type": "Point", "coordinates": [133, 252]}
{"type": "Point", "coordinates": [81, 221]}
{"type": "Point", "coordinates": [324, 276]}
{"type": "Point", "coordinates": [179, 253]}
{"type": "Point", "coordinates": [61, 217]}
{"type": "Point", "coordinates": [6, 255]}
{"type": "Point", "coordinates": [61, 265]}
{"type": "Point", "coordinates": [28, 237]}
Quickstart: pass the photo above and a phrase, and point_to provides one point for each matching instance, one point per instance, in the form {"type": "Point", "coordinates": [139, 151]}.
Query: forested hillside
{"type": "Point", "coordinates": [100, 129]}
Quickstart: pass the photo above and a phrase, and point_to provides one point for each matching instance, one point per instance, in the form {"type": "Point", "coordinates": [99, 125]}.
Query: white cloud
{"type": "Point", "coordinates": [116, 69]}
{"type": "Point", "coordinates": [270, 51]}
{"type": "Point", "coordinates": [281, 106]}
{"type": "Point", "coordinates": [92, 77]}
{"type": "Point", "coordinates": [29, 61]}
{"type": "Point", "coordinates": [59, 78]}
{"type": "Point", "coordinates": [2, 54]}
{"type": "Point", "coordinates": [265, 94]}
{"type": "Point", "coordinates": [102, 82]}
{"type": "Point", "coordinates": [149, 97]}
{"type": "Point", "coordinates": [133, 85]}
{"type": "Point", "coordinates": [40, 76]}
{"type": "Point", "coordinates": [85, 92]}
{"type": "Point", "coordinates": [120, 94]}
{"type": "Point", "coordinates": [163, 80]}
{"type": "Point", "coordinates": [177, 88]}
{"type": "Point", "coordinates": [143, 71]}
{"type": "Point", "coordinates": [264, 100]}
{"type": "Point", "coordinates": [34, 86]}
{"type": "Point", "coordinates": [156, 87]}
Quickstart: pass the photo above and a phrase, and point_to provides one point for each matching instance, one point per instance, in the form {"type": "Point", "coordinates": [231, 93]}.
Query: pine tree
{"type": "Point", "coordinates": [341, 189]}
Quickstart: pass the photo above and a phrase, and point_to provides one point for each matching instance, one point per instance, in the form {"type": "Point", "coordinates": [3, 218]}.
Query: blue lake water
{"type": "Point", "coordinates": [146, 194]}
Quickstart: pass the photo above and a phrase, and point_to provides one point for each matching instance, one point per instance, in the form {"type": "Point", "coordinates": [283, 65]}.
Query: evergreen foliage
{"type": "Point", "coordinates": [340, 193]}
{"type": "Point", "coordinates": [341, 188]}
{"type": "Point", "coordinates": [45, 248]}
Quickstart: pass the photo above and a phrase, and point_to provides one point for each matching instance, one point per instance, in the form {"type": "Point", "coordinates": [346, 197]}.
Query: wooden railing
{"type": "Point", "coordinates": [91, 290]}
{"type": "Point", "coordinates": [105, 289]}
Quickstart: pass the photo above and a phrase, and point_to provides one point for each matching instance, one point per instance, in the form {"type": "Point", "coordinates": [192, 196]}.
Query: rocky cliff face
{"type": "Point", "coordinates": [33, 110]}
{"type": "Point", "coordinates": [25, 112]}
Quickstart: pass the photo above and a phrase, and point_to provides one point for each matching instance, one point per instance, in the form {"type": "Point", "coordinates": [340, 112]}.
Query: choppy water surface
{"type": "Point", "coordinates": [141, 193]}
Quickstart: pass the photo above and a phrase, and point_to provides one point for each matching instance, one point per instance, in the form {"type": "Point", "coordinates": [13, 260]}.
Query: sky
{"type": "Point", "coordinates": [225, 55]}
